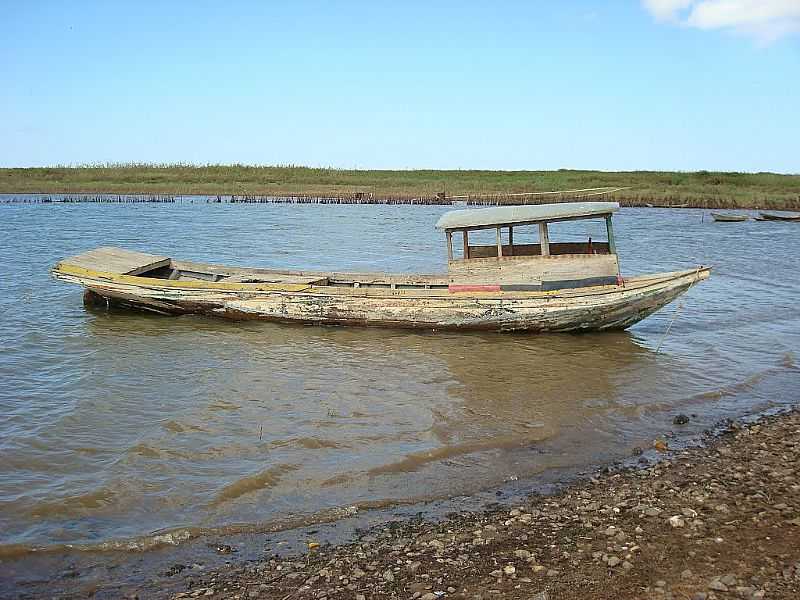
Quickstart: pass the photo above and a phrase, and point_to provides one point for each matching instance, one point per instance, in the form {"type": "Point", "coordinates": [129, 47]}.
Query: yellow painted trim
{"type": "Point", "coordinates": [634, 283]}
{"type": "Point", "coordinates": [76, 271]}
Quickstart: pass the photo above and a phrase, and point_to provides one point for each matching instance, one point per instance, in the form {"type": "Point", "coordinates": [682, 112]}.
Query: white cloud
{"type": "Point", "coordinates": [765, 20]}
{"type": "Point", "coordinates": [666, 10]}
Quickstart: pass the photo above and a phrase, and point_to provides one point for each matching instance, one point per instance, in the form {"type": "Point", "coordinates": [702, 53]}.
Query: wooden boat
{"type": "Point", "coordinates": [776, 217]}
{"type": "Point", "coordinates": [505, 286]}
{"type": "Point", "coordinates": [728, 218]}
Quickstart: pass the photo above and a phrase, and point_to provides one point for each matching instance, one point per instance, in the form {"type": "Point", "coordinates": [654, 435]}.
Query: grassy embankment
{"type": "Point", "coordinates": [702, 188]}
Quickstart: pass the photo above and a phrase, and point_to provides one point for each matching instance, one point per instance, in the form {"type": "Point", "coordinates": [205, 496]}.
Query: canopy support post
{"type": "Point", "coordinates": [499, 243]}
{"type": "Point", "coordinates": [544, 239]}
{"type": "Point", "coordinates": [612, 245]}
{"type": "Point", "coordinates": [511, 240]}
{"type": "Point", "coordinates": [449, 235]}
{"type": "Point", "coordinates": [466, 244]}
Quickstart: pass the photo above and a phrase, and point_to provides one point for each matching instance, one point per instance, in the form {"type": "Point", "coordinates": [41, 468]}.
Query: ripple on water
{"type": "Point", "coordinates": [128, 431]}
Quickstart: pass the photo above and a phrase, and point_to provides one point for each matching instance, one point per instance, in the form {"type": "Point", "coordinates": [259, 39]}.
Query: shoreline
{"type": "Point", "coordinates": [700, 189]}
{"type": "Point", "coordinates": [714, 521]}
{"type": "Point", "coordinates": [719, 511]}
{"type": "Point", "coordinates": [381, 199]}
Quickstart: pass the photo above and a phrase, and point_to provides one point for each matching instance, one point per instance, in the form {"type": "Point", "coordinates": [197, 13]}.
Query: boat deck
{"type": "Point", "coordinates": [108, 259]}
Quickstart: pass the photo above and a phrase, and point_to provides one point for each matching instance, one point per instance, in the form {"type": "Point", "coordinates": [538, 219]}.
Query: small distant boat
{"type": "Point", "coordinates": [508, 285]}
{"type": "Point", "coordinates": [724, 218]}
{"type": "Point", "coordinates": [774, 217]}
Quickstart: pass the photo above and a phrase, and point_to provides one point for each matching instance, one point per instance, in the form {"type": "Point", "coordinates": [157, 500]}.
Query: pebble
{"type": "Point", "coordinates": [676, 521]}
{"type": "Point", "coordinates": [660, 445]}
{"type": "Point", "coordinates": [717, 586]}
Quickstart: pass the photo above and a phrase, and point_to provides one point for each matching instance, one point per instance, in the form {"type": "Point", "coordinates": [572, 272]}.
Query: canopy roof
{"type": "Point", "coordinates": [477, 218]}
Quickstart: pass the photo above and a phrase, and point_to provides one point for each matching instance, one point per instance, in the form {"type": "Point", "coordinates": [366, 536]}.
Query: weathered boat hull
{"type": "Point", "coordinates": [726, 218]}
{"type": "Point", "coordinates": [794, 218]}
{"type": "Point", "coordinates": [587, 309]}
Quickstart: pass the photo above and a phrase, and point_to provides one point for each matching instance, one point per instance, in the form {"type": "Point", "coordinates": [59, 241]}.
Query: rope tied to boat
{"type": "Point", "coordinates": [678, 310]}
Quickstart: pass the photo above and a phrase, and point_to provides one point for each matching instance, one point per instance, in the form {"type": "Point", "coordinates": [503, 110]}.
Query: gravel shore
{"type": "Point", "coordinates": [721, 521]}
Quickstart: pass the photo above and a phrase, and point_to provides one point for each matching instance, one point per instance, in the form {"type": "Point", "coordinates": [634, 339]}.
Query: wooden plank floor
{"type": "Point", "coordinates": [109, 259]}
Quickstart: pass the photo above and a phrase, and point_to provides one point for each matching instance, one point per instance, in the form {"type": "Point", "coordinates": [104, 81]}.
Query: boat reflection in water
{"type": "Point", "coordinates": [253, 422]}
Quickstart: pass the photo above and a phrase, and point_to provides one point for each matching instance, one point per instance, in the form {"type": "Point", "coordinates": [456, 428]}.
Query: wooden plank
{"type": "Point", "coordinates": [533, 269]}
{"type": "Point", "coordinates": [334, 276]}
{"type": "Point", "coordinates": [273, 278]}
{"type": "Point", "coordinates": [535, 249]}
{"type": "Point", "coordinates": [108, 259]}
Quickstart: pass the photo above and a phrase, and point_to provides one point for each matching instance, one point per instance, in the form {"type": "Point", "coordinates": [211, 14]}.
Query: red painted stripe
{"type": "Point", "coordinates": [473, 288]}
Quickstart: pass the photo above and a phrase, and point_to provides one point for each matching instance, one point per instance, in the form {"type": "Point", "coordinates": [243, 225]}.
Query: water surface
{"type": "Point", "coordinates": [117, 426]}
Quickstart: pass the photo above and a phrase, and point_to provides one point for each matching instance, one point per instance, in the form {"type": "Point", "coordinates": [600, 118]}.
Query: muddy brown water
{"type": "Point", "coordinates": [127, 432]}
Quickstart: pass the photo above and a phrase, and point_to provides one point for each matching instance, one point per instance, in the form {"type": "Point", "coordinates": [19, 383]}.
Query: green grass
{"type": "Point", "coordinates": [702, 188]}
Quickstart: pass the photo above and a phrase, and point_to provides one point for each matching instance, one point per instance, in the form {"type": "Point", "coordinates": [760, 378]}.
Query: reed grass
{"type": "Point", "coordinates": [701, 188]}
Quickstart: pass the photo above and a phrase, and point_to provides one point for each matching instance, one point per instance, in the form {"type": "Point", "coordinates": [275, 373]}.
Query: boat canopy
{"type": "Point", "coordinates": [480, 218]}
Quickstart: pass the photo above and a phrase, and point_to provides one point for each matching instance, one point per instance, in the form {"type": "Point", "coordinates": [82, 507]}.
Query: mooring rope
{"type": "Point", "coordinates": [677, 310]}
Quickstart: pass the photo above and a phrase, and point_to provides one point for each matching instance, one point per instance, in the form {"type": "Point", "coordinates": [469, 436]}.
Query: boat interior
{"type": "Point", "coordinates": [522, 264]}
{"type": "Point", "coordinates": [589, 247]}
{"type": "Point", "coordinates": [190, 271]}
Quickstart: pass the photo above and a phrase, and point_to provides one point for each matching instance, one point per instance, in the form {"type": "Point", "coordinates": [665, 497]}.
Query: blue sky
{"type": "Point", "coordinates": [612, 85]}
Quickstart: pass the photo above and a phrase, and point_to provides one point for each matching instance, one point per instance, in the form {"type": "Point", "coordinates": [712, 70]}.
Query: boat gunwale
{"type": "Point", "coordinates": [638, 282]}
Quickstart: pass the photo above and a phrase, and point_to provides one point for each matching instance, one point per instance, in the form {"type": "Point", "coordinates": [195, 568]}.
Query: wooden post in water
{"type": "Point", "coordinates": [544, 239]}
